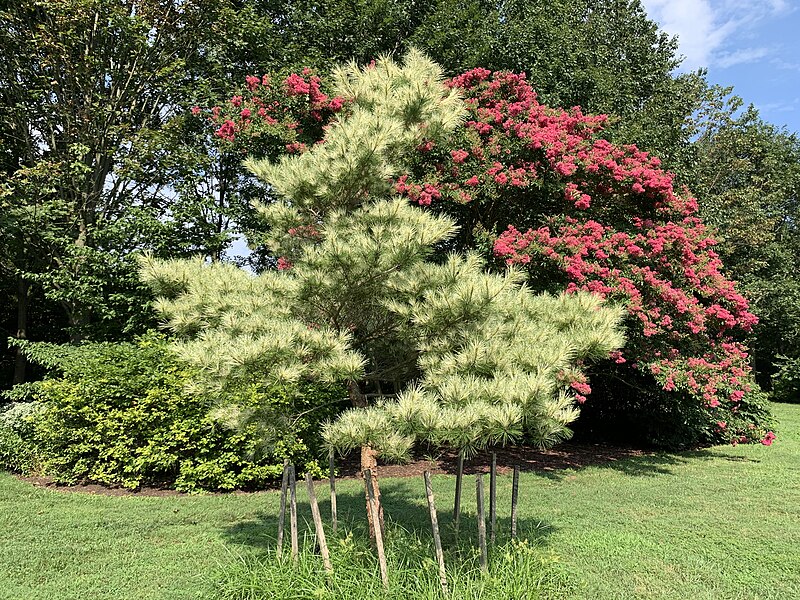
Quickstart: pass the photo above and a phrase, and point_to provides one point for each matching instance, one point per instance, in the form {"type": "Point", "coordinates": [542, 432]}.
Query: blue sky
{"type": "Point", "coordinates": [753, 45]}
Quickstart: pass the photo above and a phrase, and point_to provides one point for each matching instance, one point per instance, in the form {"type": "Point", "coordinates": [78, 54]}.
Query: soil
{"type": "Point", "coordinates": [567, 456]}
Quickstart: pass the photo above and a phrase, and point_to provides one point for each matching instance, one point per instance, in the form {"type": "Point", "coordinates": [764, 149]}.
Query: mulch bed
{"type": "Point", "coordinates": [566, 456]}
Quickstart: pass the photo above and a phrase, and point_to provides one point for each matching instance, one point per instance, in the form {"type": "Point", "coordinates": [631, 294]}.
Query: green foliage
{"type": "Point", "coordinates": [120, 414]}
{"type": "Point", "coordinates": [18, 453]}
{"type": "Point", "coordinates": [635, 410]}
{"type": "Point", "coordinates": [786, 381]}
{"type": "Point", "coordinates": [748, 182]}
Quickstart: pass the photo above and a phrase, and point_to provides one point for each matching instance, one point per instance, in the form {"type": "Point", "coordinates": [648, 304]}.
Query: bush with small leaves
{"type": "Point", "coordinates": [125, 414]}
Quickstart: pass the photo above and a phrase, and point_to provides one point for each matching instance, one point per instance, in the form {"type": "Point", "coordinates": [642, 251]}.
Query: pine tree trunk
{"type": "Point", "coordinates": [369, 460]}
{"type": "Point", "coordinates": [21, 362]}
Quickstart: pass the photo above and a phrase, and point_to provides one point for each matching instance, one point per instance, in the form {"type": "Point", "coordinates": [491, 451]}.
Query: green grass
{"type": "Point", "coordinates": [722, 523]}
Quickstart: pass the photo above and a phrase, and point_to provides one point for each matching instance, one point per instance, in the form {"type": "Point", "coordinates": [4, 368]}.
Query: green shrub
{"type": "Point", "coordinates": [122, 414]}
{"type": "Point", "coordinates": [786, 382]}
{"type": "Point", "coordinates": [17, 451]}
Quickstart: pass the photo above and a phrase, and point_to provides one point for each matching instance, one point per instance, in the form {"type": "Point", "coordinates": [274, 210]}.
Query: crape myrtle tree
{"type": "Point", "coordinates": [437, 350]}
{"type": "Point", "coordinates": [541, 188]}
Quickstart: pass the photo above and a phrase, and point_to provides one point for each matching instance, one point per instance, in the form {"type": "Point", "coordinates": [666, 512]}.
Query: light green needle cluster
{"type": "Point", "coordinates": [493, 361]}
{"type": "Point", "coordinates": [239, 329]}
{"type": "Point", "coordinates": [439, 350]}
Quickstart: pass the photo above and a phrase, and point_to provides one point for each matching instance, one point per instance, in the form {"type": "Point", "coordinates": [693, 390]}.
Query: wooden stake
{"type": "Point", "coordinates": [374, 508]}
{"type": "Point", "coordinates": [333, 490]}
{"type": "Point", "coordinates": [293, 511]}
{"type": "Point", "coordinates": [481, 522]}
{"type": "Point", "coordinates": [493, 497]}
{"type": "Point", "coordinates": [457, 500]}
{"type": "Point", "coordinates": [437, 541]}
{"type": "Point", "coordinates": [282, 512]}
{"type": "Point", "coordinates": [323, 545]}
{"type": "Point", "coordinates": [514, 496]}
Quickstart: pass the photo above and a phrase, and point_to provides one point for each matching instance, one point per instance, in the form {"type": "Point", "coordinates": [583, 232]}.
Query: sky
{"type": "Point", "coordinates": [753, 45]}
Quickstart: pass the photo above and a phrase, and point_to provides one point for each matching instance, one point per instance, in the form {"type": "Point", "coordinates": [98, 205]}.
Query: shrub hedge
{"type": "Point", "coordinates": [124, 414]}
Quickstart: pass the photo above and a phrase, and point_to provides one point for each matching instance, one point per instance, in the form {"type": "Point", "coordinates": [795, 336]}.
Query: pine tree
{"type": "Point", "coordinates": [439, 351]}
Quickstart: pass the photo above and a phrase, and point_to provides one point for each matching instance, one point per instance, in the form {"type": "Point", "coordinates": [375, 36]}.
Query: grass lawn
{"type": "Point", "coordinates": [722, 523]}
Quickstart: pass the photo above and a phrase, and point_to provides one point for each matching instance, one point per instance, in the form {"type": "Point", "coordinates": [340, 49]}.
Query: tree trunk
{"type": "Point", "coordinates": [76, 334]}
{"type": "Point", "coordinates": [21, 362]}
{"type": "Point", "coordinates": [369, 460]}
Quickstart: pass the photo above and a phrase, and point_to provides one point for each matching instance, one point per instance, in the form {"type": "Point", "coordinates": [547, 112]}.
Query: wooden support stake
{"type": "Point", "coordinates": [493, 498]}
{"type": "Point", "coordinates": [481, 522]}
{"type": "Point", "coordinates": [376, 524]}
{"type": "Point", "coordinates": [514, 497]}
{"type": "Point", "coordinates": [323, 545]}
{"type": "Point", "coordinates": [282, 512]}
{"type": "Point", "coordinates": [333, 490]}
{"type": "Point", "coordinates": [457, 500]}
{"type": "Point", "coordinates": [437, 541]}
{"type": "Point", "coordinates": [293, 511]}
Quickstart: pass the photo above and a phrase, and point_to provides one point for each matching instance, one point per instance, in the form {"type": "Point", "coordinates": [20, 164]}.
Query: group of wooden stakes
{"type": "Point", "coordinates": [288, 486]}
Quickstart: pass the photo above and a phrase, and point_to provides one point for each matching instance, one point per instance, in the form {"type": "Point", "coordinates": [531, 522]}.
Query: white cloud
{"type": "Point", "coordinates": [740, 57]}
{"type": "Point", "coordinates": [775, 107]}
{"type": "Point", "coordinates": [710, 32]}
{"type": "Point", "coordinates": [693, 21]}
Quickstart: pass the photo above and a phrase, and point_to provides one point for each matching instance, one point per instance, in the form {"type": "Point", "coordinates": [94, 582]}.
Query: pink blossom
{"type": "Point", "coordinates": [459, 156]}
{"type": "Point", "coordinates": [296, 85]}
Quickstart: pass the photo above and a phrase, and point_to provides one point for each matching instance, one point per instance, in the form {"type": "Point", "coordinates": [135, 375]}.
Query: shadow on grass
{"type": "Point", "coordinates": [404, 512]}
{"type": "Point", "coordinates": [707, 454]}
{"type": "Point", "coordinates": [649, 465]}
{"type": "Point", "coordinates": [405, 505]}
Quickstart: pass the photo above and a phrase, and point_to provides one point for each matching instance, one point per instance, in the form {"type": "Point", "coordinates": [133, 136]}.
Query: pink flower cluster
{"type": "Point", "coordinates": [423, 194]}
{"type": "Point", "coordinates": [305, 231]}
{"type": "Point", "coordinates": [310, 85]}
{"type": "Point", "coordinates": [299, 98]}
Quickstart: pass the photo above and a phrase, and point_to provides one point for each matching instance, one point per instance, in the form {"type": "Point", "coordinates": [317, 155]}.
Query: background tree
{"type": "Point", "coordinates": [84, 93]}
{"type": "Point", "coordinates": [748, 177]}
{"type": "Point", "coordinates": [605, 56]}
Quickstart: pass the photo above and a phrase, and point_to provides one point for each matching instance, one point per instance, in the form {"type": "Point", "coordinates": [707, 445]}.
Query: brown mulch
{"type": "Point", "coordinates": [567, 456]}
